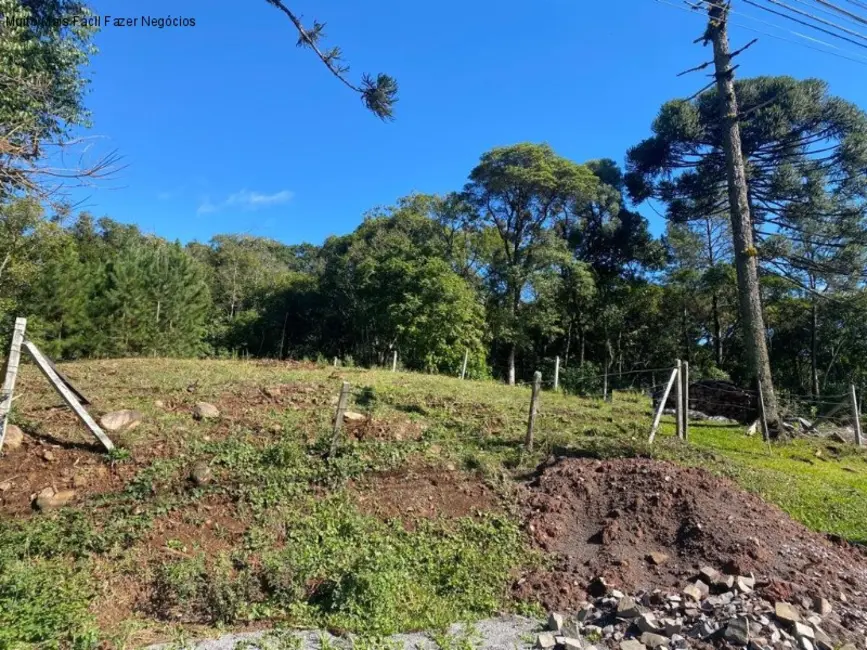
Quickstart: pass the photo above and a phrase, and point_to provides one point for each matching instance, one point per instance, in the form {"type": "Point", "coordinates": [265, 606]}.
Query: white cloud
{"type": "Point", "coordinates": [246, 200]}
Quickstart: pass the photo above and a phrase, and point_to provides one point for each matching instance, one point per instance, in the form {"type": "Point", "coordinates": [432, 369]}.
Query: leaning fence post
{"type": "Point", "coordinates": [605, 383]}
{"type": "Point", "coordinates": [534, 403]}
{"type": "Point", "coordinates": [685, 369]}
{"type": "Point", "coordinates": [556, 373]}
{"type": "Point", "coordinates": [856, 419]}
{"type": "Point", "coordinates": [464, 367]}
{"type": "Point", "coordinates": [394, 362]}
{"type": "Point", "coordinates": [661, 406]}
{"type": "Point", "coordinates": [338, 417]}
{"type": "Point", "coordinates": [766, 435]}
{"type": "Point", "coordinates": [11, 375]}
{"type": "Point", "coordinates": [678, 402]}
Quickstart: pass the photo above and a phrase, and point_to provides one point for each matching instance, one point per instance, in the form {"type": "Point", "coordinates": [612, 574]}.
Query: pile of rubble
{"type": "Point", "coordinates": [715, 609]}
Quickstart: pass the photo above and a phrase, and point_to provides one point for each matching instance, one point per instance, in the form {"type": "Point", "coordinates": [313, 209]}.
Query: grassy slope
{"type": "Point", "coordinates": [284, 538]}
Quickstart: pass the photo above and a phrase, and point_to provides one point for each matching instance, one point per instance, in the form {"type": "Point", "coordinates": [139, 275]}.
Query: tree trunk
{"type": "Point", "coordinates": [717, 332]}
{"type": "Point", "coordinates": [742, 228]}
{"type": "Point", "coordinates": [568, 344]}
{"type": "Point", "coordinates": [583, 346]}
{"type": "Point", "coordinates": [814, 348]}
{"type": "Point", "coordinates": [512, 347]}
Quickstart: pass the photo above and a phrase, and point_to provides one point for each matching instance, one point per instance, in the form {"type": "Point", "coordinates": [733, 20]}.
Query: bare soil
{"type": "Point", "coordinates": [604, 518]}
{"type": "Point", "coordinates": [412, 496]}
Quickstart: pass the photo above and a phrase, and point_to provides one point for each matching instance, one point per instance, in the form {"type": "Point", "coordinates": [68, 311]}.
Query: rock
{"type": "Point", "coordinates": [708, 574]}
{"type": "Point", "coordinates": [671, 626]}
{"type": "Point", "coordinates": [5, 486]}
{"type": "Point", "coordinates": [119, 420]}
{"type": "Point", "coordinates": [703, 588]}
{"type": "Point", "coordinates": [632, 644]}
{"type": "Point", "coordinates": [805, 631]}
{"type": "Point", "coordinates": [545, 641]}
{"type": "Point", "coordinates": [678, 641]}
{"type": "Point", "coordinates": [616, 593]}
{"type": "Point", "coordinates": [702, 630]}
{"type": "Point", "coordinates": [805, 644]}
{"type": "Point", "coordinates": [352, 416]}
{"type": "Point", "coordinates": [201, 474]}
{"type": "Point", "coordinates": [159, 404]}
{"type": "Point", "coordinates": [568, 643]}
{"type": "Point", "coordinates": [657, 558]}
{"type": "Point", "coordinates": [627, 608]}
{"type": "Point", "coordinates": [737, 632]}
{"type": "Point", "coordinates": [654, 640]}
{"type": "Point", "coordinates": [14, 437]}
{"type": "Point", "coordinates": [47, 455]}
{"type": "Point", "coordinates": [48, 498]}
{"type": "Point", "coordinates": [648, 623]}
{"type": "Point", "coordinates": [694, 592]}
{"type": "Point", "coordinates": [205, 411]}
{"type": "Point", "coordinates": [822, 640]}
{"type": "Point", "coordinates": [745, 584]}
{"type": "Point", "coordinates": [786, 613]}
{"type": "Point", "coordinates": [821, 606]}
{"type": "Point", "coordinates": [556, 622]}
{"type": "Point", "coordinates": [79, 481]}
{"type": "Point", "coordinates": [724, 582]}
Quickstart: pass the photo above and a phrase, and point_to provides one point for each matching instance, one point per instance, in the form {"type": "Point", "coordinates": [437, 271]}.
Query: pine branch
{"type": "Point", "coordinates": [379, 93]}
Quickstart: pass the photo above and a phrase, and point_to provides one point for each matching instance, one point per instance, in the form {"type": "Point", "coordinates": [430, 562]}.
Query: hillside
{"type": "Point", "coordinates": [431, 511]}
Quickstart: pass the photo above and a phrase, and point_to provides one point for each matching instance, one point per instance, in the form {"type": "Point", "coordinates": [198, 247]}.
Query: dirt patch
{"type": "Point", "coordinates": [209, 527]}
{"type": "Point", "coordinates": [394, 429]}
{"type": "Point", "coordinates": [604, 518]}
{"type": "Point", "coordinates": [411, 496]}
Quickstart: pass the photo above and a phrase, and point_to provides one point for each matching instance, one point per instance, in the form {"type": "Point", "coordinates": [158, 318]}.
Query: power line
{"type": "Point", "coordinates": [862, 61]}
{"type": "Point", "coordinates": [845, 12]}
{"type": "Point", "coordinates": [821, 20]}
{"type": "Point", "coordinates": [828, 12]}
{"type": "Point", "coordinates": [806, 24]}
{"type": "Point", "coordinates": [857, 3]}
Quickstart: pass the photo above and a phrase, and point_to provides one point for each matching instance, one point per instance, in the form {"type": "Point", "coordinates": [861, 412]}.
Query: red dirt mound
{"type": "Point", "coordinates": [604, 519]}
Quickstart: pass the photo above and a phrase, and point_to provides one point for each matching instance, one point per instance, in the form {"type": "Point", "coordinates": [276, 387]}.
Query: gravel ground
{"type": "Point", "coordinates": [504, 633]}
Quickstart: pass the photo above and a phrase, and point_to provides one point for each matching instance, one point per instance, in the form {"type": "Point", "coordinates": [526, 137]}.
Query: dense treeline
{"type": "Point", "coordinates": [536, 256]}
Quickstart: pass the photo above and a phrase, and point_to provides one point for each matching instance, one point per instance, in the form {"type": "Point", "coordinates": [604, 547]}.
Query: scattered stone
{"type": "Point", "coordinates": [616, 593]}
{"type": "Point", "coordinates": [805, 643]}
{"type": "Point", "coordinates": [159, 404]}
{"type": "Point", "coordinates": [556, 622]}
{"type": "Point", "coordinates": [5, 486]}
{"type": "Point", "coordinates": [737, 632]}
{"type": "Point", "coordinates": [49, 498]}
{"type": "Point", "coordinates": [805, 631]}
{"type": "Point", "coordinates": [201, 474]}
{"type": "Point", "coordinates": [786, 613]}
{"type": "Point", "coordinates": [657, 558]}
{"type": "Point", "coordinates": [546, 641]}
{"type": "Point", "coordinates": [703, 588]}
{"type": "Point", "coordinates": [702, 631]}
{"type": "Point", "coordinates": [47, 455]}
{"type": "Point", "coordinates": [821, 606]}
{"type": "Point", "coordinates": [568, 643]}
{"type": "Point", "coordinates": [694, 592]}
{"type": "Point", "coordinates": [632, 644]}
{"type": "Point", "coordinates": [708, 574]}
{"type": "Point", "coordinates": [671, 627]}
{"type": "Point", "coordinates": [653, 640]}
{"type": "Point", "coordinates": [822, 640]}
{"type": "Point", "coordinates": [745, 584]}
{"type": "Point", "coordinates": [352, 416]}
{"type": "Point", "coordinates": [627, 608]}
{"type": "Point", "coordinates": [120, 420]}
{"type": "Point", "coordinates": [648, 623]}
{"type": "Point", "coordinates": [205, 411]}
{"type": "Point", "coordinates": [724, 582]}
{"type": "Point", "coordinates": [14, 437]}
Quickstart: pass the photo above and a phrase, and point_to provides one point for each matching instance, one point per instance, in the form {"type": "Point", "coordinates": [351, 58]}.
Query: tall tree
{"type": "Point", "coordinates": [518, 192]}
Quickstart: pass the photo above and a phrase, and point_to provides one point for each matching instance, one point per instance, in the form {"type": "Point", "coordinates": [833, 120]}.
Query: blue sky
{"type": "Point", "coordinates": [228, 127]}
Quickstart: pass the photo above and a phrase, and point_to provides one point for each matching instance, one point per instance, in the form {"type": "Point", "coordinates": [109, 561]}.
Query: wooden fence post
{"type": "Point", "coordinates": [338, 417]}
{"type": "Point", "coordinates": [335, 362]}
{"type": "Point", "coordinates": [464, 367]}
{"type": "Point", "coordinates": [534, 403]}
{"type": "Point", "coordinates": [856, 419]}
{"type": "Point", "coordinates": [685, 369]}
{"type": "Point", "coordinates": [763, 420]}
{"type": "Point", "coordinates": [661, 406]}
{"type": "Point", "coordinates": [394, 362]}
{"type": "Point", "coordinates": [605, 383]}
{"type": "Point", "coordinates": [678, 413]}
{"type": "Point", "coordinates": [68, 396]}
{"type": "Point", "coordinates": [11, 375]}
{"type": "Point", "coordinates": [556, 373]}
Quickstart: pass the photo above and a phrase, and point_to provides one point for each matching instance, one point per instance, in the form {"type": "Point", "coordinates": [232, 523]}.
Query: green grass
{"type": "Point", "coordinates": [306, 555]}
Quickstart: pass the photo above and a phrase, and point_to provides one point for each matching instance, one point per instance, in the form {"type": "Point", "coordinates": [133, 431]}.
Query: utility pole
{"type": "Point", "coordinates": [746, 261]}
